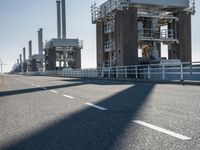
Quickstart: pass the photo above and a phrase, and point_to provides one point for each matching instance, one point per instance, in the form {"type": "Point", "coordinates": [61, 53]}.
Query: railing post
{"type": "Point", "coordinates": [149, 77]}
{"type": "Point", "coordinates": [117, 75]}
{"type": "Point", "coordinates": [125, 69]}
{"type": "Point", "coordinates": [182, 72]}
{"type": "Point", "coordinates": [163, 72]}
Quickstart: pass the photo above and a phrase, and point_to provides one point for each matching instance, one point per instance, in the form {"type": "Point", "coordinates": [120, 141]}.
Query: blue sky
{"type": "Point", "coordinates": [21, 19]}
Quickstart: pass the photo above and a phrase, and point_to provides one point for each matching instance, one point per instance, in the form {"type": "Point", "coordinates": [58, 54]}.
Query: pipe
{"type": "Point", "coordinates": [30, 49]}
{"type": "Point", "coordinates": [24, 54]}
{"type": "Point", "coordinates": [58, 19]}
{"type": "Point", "coordinates": [40, 41]}
{"type": "Point", "coordinates": [63, 20]}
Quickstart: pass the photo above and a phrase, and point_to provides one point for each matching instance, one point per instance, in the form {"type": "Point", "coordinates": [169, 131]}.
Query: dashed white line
{"type": "Point", "coordinates": [95, 106]}
{"type": "Point", "coordinates": [53, 91]}
{"type": "Point", "coordinates": [173, 134]}
{"type": "Point", "coordinates": [38, 86]}
{"type": "Point", "coordinates": [68, 96]}
{"type": "Point", "coordinates": [44, 88]}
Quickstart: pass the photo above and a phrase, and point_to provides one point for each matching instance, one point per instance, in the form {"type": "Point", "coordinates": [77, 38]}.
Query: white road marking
{"type": "Point", "coordinates": [95, 106]}
{"type": "Point", "coordinates": [53, 91]}
{"type": "Point", "coordinates": [33, 84]}
{"type": "Point", "coordinates": [44, 88]}
{"type": "Point", "coordinates": [38, 86]}
{"type": "Point", "coordinates": [68, 96]}
{"type": "Point", "coordinates": [173, 134]}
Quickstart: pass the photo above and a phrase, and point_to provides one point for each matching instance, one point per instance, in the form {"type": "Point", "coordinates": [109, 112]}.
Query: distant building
{"type": "Point", "coordinates": [62, 52]}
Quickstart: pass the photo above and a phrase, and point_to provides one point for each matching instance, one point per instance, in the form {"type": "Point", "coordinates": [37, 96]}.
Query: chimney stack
{"type": "Point", "coordinates": [24, 54]}
{"type": "Point", "coordinates": [30, 49]}
{"type": "Point", "coordinates": [59, 18]}
{"type": "Point", "coordinates": [20, 58]}
{"type": "Point", "coordinates": [40, 41]}
{"type": "Point", "coordinates": [63, 20]}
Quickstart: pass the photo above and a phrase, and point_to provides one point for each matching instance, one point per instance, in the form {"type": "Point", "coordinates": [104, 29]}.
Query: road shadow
{"type": "Point", "coordinates": [90, 128]}
{"type": "Point", "coordinates": [98, 81]}
{"type": "Point", "coordinates": [37, 89]}
{"type": "Point", "coordinates": [70, 83]}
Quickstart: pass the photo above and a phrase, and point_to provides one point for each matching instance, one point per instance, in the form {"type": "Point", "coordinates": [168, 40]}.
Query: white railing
{"type": "Point", "coordinates": [180, 71]}
{"type": "Point", "coordinates": [163, 34]}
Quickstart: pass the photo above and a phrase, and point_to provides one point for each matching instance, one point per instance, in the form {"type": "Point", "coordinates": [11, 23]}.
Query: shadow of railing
{"type": "Point", "coordinates": [38, 89]}
{"type": "Point", "coordinates": [70, 83]}
{"type": "Point", "coordinates": [90, 128]}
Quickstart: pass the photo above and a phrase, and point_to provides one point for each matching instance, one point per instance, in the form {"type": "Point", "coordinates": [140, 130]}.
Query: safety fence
{"type": "Point", "coordinates": [177, 71]}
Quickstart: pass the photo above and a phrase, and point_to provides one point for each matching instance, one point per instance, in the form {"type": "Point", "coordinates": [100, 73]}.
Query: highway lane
{"type": "Point", "coordinates": [64, 113]}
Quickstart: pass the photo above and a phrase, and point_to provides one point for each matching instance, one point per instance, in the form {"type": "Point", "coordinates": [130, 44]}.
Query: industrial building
{"type": "Point", "coordinates": [34, 62]}
{"type": "Point", "coordinates": [131, 32]}
{"type": "Point", "coordinates": [56, 54]}
{"type": "Point", "coordinates": [37, 60]}
{"type": "Point", "coordinates": [62, 52]}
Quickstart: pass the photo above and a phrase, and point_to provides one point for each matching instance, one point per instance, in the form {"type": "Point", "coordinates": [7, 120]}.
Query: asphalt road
{"type": "Point", "coordinates": [51, 113]}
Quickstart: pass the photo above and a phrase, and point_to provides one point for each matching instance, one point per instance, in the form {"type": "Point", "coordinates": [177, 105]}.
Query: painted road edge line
{"type": "Point", "coordinates": [53, 91]}
{"type": "Point", "coordinates": [95, 106]}
{"type": "Point", "coordinates": [173, 134]}
{"type": "Point", "coordinates": [68, 96]}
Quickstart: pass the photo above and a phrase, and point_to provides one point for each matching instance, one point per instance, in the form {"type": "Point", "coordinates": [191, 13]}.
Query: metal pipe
{"type": "Point", "coordinates": [30, 49]}
{"type": "Point", "coordinates": [63, 20]}
{"type": "Point", "coordinates": [58, 18]}
{"type": "Point", "coordinates": [40, 41]}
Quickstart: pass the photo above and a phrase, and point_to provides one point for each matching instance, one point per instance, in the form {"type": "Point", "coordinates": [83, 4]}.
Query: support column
{"type": "Point", "coordinates": [65, 57]}
{"type": "Point", "coordinates": [126, 37]}
{"type": "Point", "coordinates": [183, 49]}
{"type": "Point", "coordinates": [100, 43]}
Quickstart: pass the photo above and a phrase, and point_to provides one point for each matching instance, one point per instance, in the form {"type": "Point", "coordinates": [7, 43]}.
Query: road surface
{"type": "Point", "coordinates": [52, 113]}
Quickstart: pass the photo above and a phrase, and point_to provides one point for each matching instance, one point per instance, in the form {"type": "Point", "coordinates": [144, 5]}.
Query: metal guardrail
{"type": "Point", "coordinates": [180, 71]}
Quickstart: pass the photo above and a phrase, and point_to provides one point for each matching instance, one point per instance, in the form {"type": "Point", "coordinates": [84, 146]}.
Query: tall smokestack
{"type": "Point", "coordinates": [30, 49]}
{"type": "Point", "coordinates": [40, 41]}
{"type": "Point", "coordinates": [58, 18]}
{"type": "Point", "coordinates": [17, 61]}
{"type": "Point", "coordinates": [20, 58]}
{"type": "Point", "coordinates": [63, 20]}
{"type": "Point", "coordinates": [24, 54]}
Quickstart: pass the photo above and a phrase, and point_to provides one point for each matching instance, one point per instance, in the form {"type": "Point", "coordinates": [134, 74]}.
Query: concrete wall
{"type": "Point", "coordinates": [183, 50]}
{"type": "Point", "coordinates": [77, 59]}
{"type": "Point", "coordinates": [34, 66]}
{"type": "Point", "coordinates": [100, 43]}
{"type": "Point", "coordinates": [50, 57]}
{"type": "Point", "coordinates": [24, 67]}
{"type": "Point", "coordinates": [126, 37]}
